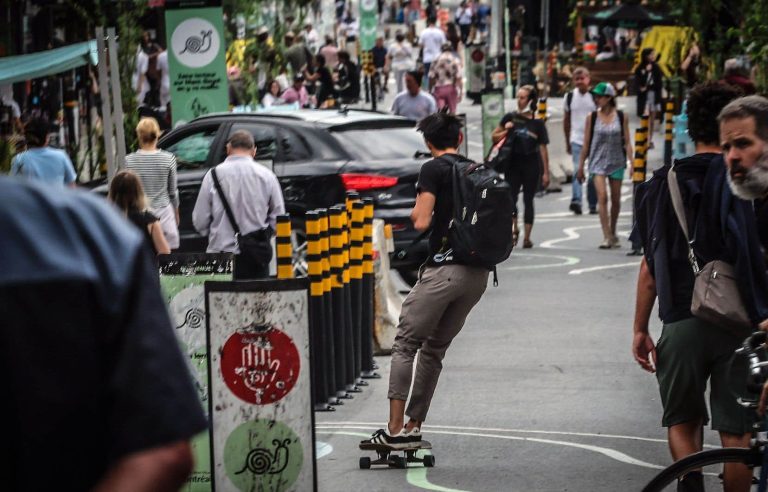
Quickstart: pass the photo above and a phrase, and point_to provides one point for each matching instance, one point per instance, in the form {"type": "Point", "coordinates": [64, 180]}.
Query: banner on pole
{"type": "Point", "coordinates": [369, 21]}
{"type": "Point", "coordinates": [182, 277]}
{"type": "Point", "coordinates": [493, 110]}
{"type": "Point", "coordinates": [196, 60]}
{"type": "Point", "coordinates": [261, 395]}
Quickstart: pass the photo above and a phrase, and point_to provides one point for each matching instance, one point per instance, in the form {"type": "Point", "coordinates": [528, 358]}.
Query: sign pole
{"type": "Point", "coordinates": [117, 95]}
{"type": "Point", "coordinates": [106, 107]}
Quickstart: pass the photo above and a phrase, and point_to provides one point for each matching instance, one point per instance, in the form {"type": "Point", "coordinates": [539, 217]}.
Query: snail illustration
{"type": "Point", "coordinates": [195, 44]}
{"type": "Point", "coordinates": [194, 318]}
{"type": "Point", "coordinates": [259, 461]}
{"type": "Point", "coordinates": [197, 108]}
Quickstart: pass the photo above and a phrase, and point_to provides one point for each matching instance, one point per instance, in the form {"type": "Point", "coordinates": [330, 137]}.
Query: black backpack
{"type": "Point", "coordinates": [480, 232]}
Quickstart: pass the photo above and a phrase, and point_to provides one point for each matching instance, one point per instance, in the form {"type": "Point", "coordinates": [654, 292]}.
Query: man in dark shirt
{"type": "Point", "coordinates": [436, 308]}
{"type": "Point", "coordinates": [97, 395]}
{"type": "Point", "coordinates": [691, 351]}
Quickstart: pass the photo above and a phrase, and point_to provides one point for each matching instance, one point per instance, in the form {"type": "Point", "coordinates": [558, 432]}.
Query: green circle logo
{"type": "Point", "coordinates": [263, 455]}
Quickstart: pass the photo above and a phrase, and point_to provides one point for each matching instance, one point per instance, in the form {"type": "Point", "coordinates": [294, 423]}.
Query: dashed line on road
{"type": "Point", "coordinates": [579, 271]}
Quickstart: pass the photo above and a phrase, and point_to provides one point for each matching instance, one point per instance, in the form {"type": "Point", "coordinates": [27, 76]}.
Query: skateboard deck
{"type": "Point", "coordinates": [389, 457]}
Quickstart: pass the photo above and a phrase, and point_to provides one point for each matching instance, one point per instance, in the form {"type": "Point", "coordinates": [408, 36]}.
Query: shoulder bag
{"type": "Point", "coordinates": [716, 297]}
{"type": "Point", "coordinates": [255, 245]}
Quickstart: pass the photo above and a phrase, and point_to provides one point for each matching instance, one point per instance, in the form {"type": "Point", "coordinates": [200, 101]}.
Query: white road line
{"type": "Point", "coordinates": [564, 261]}
{"type": "Point", "coordinates": [579, 271]}
{"type": "Point", "coordinates": [570, 235]}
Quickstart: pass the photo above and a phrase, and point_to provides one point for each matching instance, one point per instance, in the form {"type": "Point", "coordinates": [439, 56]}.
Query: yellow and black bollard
{"type": "Point", "coordinates": [317, 315]}
{"type": "Point", "coordinates": [368, 316]}
{"type": "Point", "coordinates": [328, 340]}
{"type": "Point", "coordinates": [349, 326]}
{"type": "Point", "coordinates": [284, 248]}
{"type": "Point", "coordinates": [341, 359]}
{"type": "Point", "coordinates": [542, 109]}
{"type": "Point", "coordinates": [668, 127]}
{"type": "Point", "coordinates": [356, 283]}
{"type": "Point", "coordinates": [638, 176]}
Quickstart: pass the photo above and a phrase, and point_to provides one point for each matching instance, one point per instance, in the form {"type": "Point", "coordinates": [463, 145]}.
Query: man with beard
{"type": "Point", "coordinates": [690, 351]}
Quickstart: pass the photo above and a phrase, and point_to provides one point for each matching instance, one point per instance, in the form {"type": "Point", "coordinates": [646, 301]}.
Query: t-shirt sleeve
{"type": "Point", "coordinates": [429, 178]}
{"type": "Point", "coordinates": [505, 119]}
{"type": "Point", "coordinates": [69, 169]}
{"type": "Point", "coordinates": [153, 400]}
{"type": "Point", "coordinates": [543, 135]}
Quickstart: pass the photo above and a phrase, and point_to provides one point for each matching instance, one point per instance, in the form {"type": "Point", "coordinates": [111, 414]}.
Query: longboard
{"type": "Point", "coordinates": [389, 457]}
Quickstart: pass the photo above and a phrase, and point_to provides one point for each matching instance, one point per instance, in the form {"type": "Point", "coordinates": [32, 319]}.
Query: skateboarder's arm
{"type": "Point", "coordinates": [160, 469]}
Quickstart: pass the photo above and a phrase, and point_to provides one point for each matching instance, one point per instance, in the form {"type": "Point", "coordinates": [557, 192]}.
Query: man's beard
{"type": "Point", "coordinates": [754, 183]}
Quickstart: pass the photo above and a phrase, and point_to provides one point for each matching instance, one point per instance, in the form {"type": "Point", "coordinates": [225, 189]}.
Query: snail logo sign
{"type": "Point", "coordinates": [260, 395]}
{"type": "Point", "coordinates": [197, 63]}
{"type": "Point", "coordinates": [369, 21]}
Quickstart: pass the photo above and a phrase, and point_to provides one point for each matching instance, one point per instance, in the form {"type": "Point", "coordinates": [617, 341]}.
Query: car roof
{"type": "Point", "coordinates": [330, 118]}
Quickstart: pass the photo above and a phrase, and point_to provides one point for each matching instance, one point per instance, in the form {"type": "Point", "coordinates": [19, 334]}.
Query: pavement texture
{"type": "Point", "coordinates": [539, 392]}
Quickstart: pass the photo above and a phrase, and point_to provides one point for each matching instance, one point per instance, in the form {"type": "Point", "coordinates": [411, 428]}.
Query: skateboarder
{"type": "Point", "coordinates": [435, 310]}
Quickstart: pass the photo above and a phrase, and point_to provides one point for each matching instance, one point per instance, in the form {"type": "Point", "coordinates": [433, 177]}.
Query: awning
{"type": "Point", "coordinates": [43, 63]}
{"type": "Point", "coordinates": [627, 15]}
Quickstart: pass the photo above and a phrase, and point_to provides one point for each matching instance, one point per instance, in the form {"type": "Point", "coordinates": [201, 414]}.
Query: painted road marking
{"type": "Point", "coordinates": [570, 235]}
{"type": "Point", "coordinates": [564, 261]}
{"type": "Point", "coordinates": [579, 271]}
{"type": "Point", "coordinates": [322, 449]}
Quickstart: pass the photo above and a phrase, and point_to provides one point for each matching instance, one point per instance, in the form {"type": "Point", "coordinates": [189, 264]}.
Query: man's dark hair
{"type": "Point", "coordinates": [344, 56]}
{"type": "Point", "coordinates": [36, 132]}
{"type": "Point", "coordinates": [744, 107]}
{"type": "Point", "coordinates": [441, 129]}
{"type": "Point", "coordinates": [241, 139]}
{"type": "Point", "coordinates": [320, 60]}
{"type": "Point", "coordinates": [705, 102]}
{"type": "Point", "coordinates": [415, 74]}
{"type": "Point", "coordinates": [431, 20]}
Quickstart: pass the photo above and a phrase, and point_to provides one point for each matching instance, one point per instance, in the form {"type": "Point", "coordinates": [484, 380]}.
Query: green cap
{"type": "Point", "coordinates": [604, 89]}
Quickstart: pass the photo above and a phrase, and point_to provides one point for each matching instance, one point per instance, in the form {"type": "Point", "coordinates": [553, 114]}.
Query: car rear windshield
{"type": "Point", "coordinates": [382, 143]}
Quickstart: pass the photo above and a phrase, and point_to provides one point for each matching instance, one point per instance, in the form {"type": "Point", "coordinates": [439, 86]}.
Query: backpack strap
{"type": "Point", "coordinates": [568, 101]}
{"type": "Point", "coordinates": [225, 203]}
{"type": "Point", "coordinates": [620, 115]}
{"type": "Point", "coordinates": [593, 120]}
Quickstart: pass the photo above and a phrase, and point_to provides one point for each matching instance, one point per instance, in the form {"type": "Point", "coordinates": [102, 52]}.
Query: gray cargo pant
{"type": "Point", "coordinates": [433, 314]}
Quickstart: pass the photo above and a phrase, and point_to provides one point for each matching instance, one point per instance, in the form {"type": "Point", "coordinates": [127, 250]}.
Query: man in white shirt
{"type": "Point", "coordinates": [464, 20]}
{"type": "Point", "coordinates": [312, 38]}
{"type": "Point", "coordinates": [255, 199]}
{"type": "Point", "coordinates": [414, 103]}
{"type": "Point", "coordinates": [578, 104]}
{"type": "Point", "coordinates": [431, 42]}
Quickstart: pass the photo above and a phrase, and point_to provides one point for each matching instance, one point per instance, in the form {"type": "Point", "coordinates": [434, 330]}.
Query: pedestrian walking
{"type": "Point", "coordinates": [126, 192]}
{"type": "Point", "coordinates": [577, 105]}
{"type": "Point", "coordinates": [648, 81]}
{"type": "Point", "coordinates": [607, 146]}
{"type": "Point", "coordinates": [157, 170]}
{"type": "Point", "coordinates": [347, 79]}
{"type": "Point", "coordinates": [400, 59]}
{"type": "Point", "coordinates": [436, 308]}
{"type": "Point", "coordinates": [463, 18]}
{"type": "Point", "coordinates": [330, 52]}
{"type": "Point", "coordinates": [692, 351]}
{"type": "Point", "coordinates": [380, 63]}
{"type": "Point", "coordinates": [323, 80]}
{"type": "Point", "coordinates": [414, 103]}
{"type": "Point", "coordinates": [527, 163]}
{"type": "Point", "coordinates": [41, 162]}
{"type": "Point", "coordinates": [237, 208]}
{"type": "Point", "coordinates": [445, 80]}
{"type": "Point", "coordinates": [92, 369]}
{"type": "Point", "coordinates": [431, 42]}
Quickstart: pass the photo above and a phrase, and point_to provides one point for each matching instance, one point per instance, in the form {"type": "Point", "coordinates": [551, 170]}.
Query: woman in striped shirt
{"type": "Point", "coordinates": [157, 170]}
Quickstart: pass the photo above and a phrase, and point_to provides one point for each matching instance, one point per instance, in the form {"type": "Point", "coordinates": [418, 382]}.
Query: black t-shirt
{"type": "Point", "coordinates": [326, 85]}
{"type": "Point", "coordinates": [436, 177]}
{"type": "Point", "coordinates": [142, 220]}
{"type": "Point", "coordinates": [91, 367]}
{"type": "Point", "coordinates": [525, 138]}
{"type": "Point", "coordinates": [379, 56]}
{"type": "Point", "coordinates": [761, 211]}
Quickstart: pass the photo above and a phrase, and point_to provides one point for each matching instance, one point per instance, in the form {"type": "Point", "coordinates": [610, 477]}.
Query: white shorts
{"type": "Point", "coordinates": [167, 216]}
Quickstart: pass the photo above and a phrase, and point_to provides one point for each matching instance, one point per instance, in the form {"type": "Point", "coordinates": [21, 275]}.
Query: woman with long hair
{"type": "Point", "coordinates": [607, 146]}
{"type": "Point", "coordinates": [126, 192]}
{"type": "Point", "coordinates": [157, 170]}
{"type": "Point", "coordinates": [272, 97]}
{"type": "Point", "coordinates": [527, 161]}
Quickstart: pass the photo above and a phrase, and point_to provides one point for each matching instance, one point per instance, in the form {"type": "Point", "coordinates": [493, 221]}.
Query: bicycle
{"type": "Point", "coordinates": [755, 348]}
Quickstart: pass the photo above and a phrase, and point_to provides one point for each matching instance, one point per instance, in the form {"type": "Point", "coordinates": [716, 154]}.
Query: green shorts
{"type": "Point", "coordinates": [618, 174]}
{"type": "Point", "coordinates": [689, 353]}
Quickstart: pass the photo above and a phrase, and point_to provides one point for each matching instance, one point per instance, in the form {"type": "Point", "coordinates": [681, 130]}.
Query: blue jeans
{"type": "Point", "coordinates": [576, 186]}
{"type": "Point", "coordinates": [425, 78]}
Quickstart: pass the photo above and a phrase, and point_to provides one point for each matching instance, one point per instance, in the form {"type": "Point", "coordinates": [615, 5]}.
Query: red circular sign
{"type": "Point", "coordinates": [260, 368]}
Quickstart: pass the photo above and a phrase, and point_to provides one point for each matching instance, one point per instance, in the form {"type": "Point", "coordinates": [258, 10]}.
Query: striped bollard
{"type": "Point", "coordinates": [368, 318]}
{"type": "Point", "coordinates": [337, 296]}
{"type": "Point", "coordinates": [349, 326]}
{"type": "Point", "coordinates": [638, 176]}
{"type": "Point", "coordinates": [328, 343]}
{"type": "Point", "coordinates": [668, 137]}
{"type": "Point", "coordinates": [316, 312]}
{"type": "Point", "coordinates": [542, 109]}
{"type": "Point", "coordinates": [283, 247]}
{"type": "Point", "coordinates": [356, 283]}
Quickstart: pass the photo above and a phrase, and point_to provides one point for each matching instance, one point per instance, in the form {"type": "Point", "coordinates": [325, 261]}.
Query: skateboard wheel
{"type": "Point", "coordinates": [365, 463]}
{"type": "Point", "coordinates": [399, 462]}
{"type": "Point", "coordinates": [429, 461]}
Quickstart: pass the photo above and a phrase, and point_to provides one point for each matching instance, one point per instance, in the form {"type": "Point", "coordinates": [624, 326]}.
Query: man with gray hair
{"type": "Point", "coordinates": [578, 104]}
{"type": "Point", "coordinates": [237, 208]}
{"type": "Point", "coordinates": [744, 139]}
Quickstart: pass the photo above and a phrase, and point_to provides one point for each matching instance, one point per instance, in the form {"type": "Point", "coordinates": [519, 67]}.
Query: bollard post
{"type": "Point", "coordinates": [356, 284]}
{"type": "Point", "coordinates": [542, 109]}
{"type": "Point", "coordinates": [337, 297]}
{"type": "Point", "coordinates": [638, 176]}
{"type": "Point", "coordinates": [668, 115]}
{"type": "Point", "coordinates": [283, 247]}
{"type": "Point", "coordinates": [317, 314]}
{"type": "Point", "coordinates": [328, 347]}
{"type": "Point", "coordinates": [368, 317]}
{"type": "Point", "coordinates": [349, 327]}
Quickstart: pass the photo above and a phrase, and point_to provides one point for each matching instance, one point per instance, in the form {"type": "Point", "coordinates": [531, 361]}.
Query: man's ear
{"type": "Point", "coordinates": [253, 152]}
{"type": "Point", "coordinates": [430, 147]}
{"type": "Point", "coordinates": [229, 148]}
{"type": "Point", "coordinates": [461, 139]}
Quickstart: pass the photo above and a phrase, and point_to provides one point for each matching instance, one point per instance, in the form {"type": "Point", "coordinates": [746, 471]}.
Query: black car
{"type": "Point", "coordinates": [318, 155]}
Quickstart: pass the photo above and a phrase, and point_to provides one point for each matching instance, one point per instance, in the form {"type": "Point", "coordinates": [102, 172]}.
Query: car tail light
{"type": "Point", "coordinates": [398, 227]}
{"type": "Point", "coordinates": [367, 181]}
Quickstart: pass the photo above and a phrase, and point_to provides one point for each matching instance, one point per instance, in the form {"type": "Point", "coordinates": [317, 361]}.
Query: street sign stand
{"type": "Point", "coordinates": [260, 386]}
{"type": "Point", "coordinates": [182, 277]}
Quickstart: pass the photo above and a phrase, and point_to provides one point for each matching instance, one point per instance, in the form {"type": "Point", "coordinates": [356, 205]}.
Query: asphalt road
{"type": "Point", "coordinates": [539, 392]}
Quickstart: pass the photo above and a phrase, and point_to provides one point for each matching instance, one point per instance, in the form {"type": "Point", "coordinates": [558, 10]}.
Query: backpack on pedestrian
{"type": "Point", "coordinates": [517, 142]}
{"type": "Point", "coordinates": [480, 232]}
